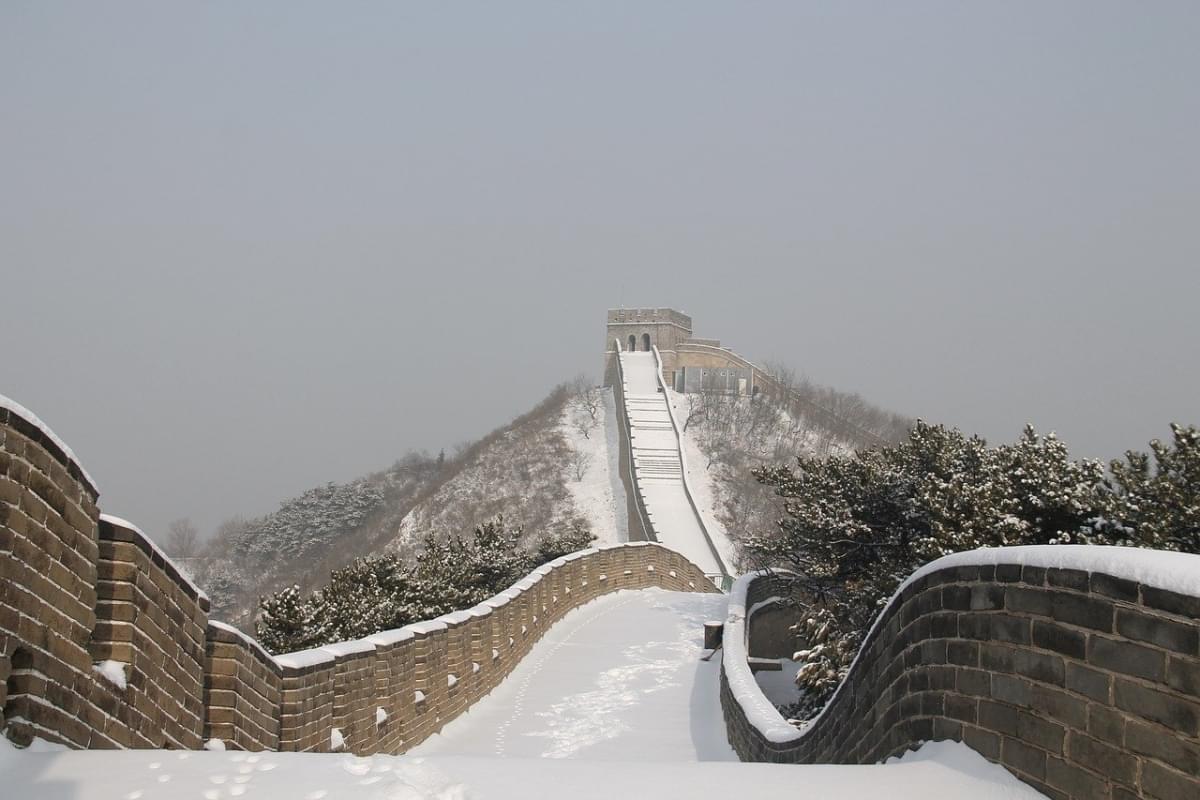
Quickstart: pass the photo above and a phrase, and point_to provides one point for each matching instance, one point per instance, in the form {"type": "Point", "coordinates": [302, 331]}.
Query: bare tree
{"type": "Point", "coordinates": [586, 404]}
{"type": "Point", "coordinates": [580, 461]}
{"type": "Point", "coordinates": [695, 408]}
{"type": "Point", "coordinates": [182, 538]}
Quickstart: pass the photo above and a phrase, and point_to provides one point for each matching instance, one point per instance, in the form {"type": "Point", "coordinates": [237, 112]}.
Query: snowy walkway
{"type": "Point", "coordinates": [613, 702]}
{"type": "Point", "coordinates": [620, 678]}
{"type": "Point", "coordinates": [658, 468]}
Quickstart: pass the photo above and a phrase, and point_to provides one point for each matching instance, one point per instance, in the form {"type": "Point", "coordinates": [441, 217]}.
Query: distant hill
{"type": "Point", "coordinates": [552, 468]}
{"type": "Point", "coordinates": [539, 471]}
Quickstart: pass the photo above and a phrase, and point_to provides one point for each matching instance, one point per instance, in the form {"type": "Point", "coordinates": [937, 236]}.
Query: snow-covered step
{"type": "Point", "coordinates": [657, 464]}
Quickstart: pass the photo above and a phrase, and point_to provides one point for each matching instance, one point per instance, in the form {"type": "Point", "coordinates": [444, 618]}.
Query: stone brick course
{"type": "Point", "coordinates": [1084, 685]}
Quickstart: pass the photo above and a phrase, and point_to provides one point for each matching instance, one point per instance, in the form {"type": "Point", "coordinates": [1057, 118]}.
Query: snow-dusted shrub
{"type": "Point", "coordinates": [385, 592]}
{"type": "Point", "coordinates": [854, 526]}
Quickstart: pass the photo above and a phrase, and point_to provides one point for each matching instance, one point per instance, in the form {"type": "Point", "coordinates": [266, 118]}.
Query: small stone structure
{"type": "Point", "coordinates": [104, 643]}
{"type": "Point", "coordinates": [1085, 685]}
{"type": "Point", "coordinates": [690, 364]}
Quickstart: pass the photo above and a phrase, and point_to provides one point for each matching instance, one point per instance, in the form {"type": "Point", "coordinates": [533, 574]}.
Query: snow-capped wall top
{"type": "Point", "coordinates": [250, 640]}
{"type": "Point", "coordinates": [13, 407]}
{"type": "Point", "coordinates": [129, 526]}
{"type": "Point", "coordinates": [1159, 569]}
{"type": "Point", "coordinates": [735, 661]}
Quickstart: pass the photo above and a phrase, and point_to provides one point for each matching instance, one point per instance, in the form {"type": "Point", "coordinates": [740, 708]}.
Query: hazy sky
{"type": "Point", "coordinates": [249, 248]}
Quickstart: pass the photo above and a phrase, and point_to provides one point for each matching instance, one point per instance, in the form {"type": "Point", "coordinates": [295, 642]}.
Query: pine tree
{"type": "Point", "coordinates": [854, 527]}
{"type": "Point", "coordinates": [286, 623]}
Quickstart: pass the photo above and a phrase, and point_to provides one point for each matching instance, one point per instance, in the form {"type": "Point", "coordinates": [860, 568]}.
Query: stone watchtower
{"type": "Point", "coordinates": [640, 329]}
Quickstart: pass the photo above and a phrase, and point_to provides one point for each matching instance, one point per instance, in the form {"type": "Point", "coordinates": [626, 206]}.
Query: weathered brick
{"type": "Point", "coordinates": [1039, 666]}
{"type": "Point", "coordinates": [998, 717]}
{"type": "Point", "coordinates": [1163, 783]}
{"type": "Point", "coordinates": [1127, 658]}
{"type": "Point", "coordinates": [987, 597]}
{"type": "Point", "coordinates": [1184, 675]}
{"type": "Point", "coordinates": [1060, 639]}
{"type": "Point", "coordinates": [962, 653]}
{"type": "Point", "coordinates": [1106, 724]}
{"type": "Point", "coordinates": [1086, 612]}
{"type": "Point", "coordinates": [1172, 602]}
{"type": "Point", "coordinates": [1169, 634]}
{"type": "Point", "coordinates": [1090, 682]}
{"type": "Point", "coordinates": [986, 743]}
{"type": "Point", "coordinates": [1034, 576]}
{"type": "Point", "coordinates": [1023, 757]}
{"type": "Point", "coordinates": [1008, 573]}
{"type": "Point", "coordinates": [973, 682]}
{"type": "Point", "coordinates": [1075, 781]}
{"type": "Point", "coordinates": [956, 597]}
{"type": "Point", "coordinates": [1100, 757]}
{"type": "Point", "coordinates": [1010, 689]}
{"type": "Point", "coordinates": [962, 708]}
{"type": "Point", "coordinates": [1005, 628]}
{"type": "Point", "coordinates": [1153, 741]}
{"type": "Point", "coordinates": [1059, 705]}
{"type": "Point", "coordinates": [1156, 706]}
{"type": "Point", "coordinates": [1028, 601]}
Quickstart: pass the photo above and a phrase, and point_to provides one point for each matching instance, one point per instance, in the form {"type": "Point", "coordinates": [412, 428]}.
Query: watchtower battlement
{"type": "Point", "coordinates": [688, 363]}
{"type": "Point", "coordinates": [642, 329]}
{"type": "Point", "coordinates": [639, 329]}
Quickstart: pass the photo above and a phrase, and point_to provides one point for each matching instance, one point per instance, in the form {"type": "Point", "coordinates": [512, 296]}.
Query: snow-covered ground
{"type": "Point", "coordinates": [939, 771]}
{"type": "Point", "coordinates": [596, 489]}
{"type": "Point", "coordinates": [613, 702]}
{"type": "Point", "coordinates": [659, 465]}
{"type": "Point", "coordinates": [779, 686]}
{"type": "Point", "coordinates": [618, 679]}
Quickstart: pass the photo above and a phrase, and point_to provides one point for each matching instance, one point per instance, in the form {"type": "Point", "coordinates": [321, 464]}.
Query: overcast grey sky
{"type": "Point", "coordinates": [250, 248]}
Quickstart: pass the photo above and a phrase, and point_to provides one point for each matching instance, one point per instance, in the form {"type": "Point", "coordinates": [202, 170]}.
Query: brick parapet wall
{"type": "Point", "coordinates": [243, 687]}
{"type": "Point", "coordinates": [426, 674]}
{"type": "Point", "coordinates": [48, 552]}
{"type": "Point", "coordinates": [150, 618]}
{"type": "Point", "coordinates": [78, 587]}
{"type": "Point", "coordinates": [1083, 684]}
{"type": "Point", "coordinates": [639, 525]}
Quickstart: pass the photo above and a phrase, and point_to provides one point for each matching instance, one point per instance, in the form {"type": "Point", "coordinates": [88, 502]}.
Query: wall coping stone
{"type": "Point", "coordinates": [122, 530]}
{"type": "Point", "coordinates": [13, 412]}
{"type": "Point", "coordinates": [254, 644]}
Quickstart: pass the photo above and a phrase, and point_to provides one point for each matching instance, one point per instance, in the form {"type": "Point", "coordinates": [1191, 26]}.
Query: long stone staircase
{"type": "Point", "coordinates": [658, 466]}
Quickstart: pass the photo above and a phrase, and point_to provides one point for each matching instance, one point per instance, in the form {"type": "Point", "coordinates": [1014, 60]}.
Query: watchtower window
{"type": "Point", "coordinates": [646, 342]}
{"type": "Point", "coordinates": [632, 343]}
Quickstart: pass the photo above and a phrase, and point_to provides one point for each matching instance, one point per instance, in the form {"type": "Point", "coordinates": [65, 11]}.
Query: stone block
{"type": "Point", "coordinates": [1155, 706]}
{"type": "Point", "coordinates": [1127, 658]}
{"type": "Point", "coordinates": [1179, 637]}
{"type": "Point", "coordinates": [1059, 638]}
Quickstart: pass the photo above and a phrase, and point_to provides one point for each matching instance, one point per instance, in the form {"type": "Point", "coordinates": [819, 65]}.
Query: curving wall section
{"type": "Point", "coordinates": [1077, 668]}
{"type": "Point", "coordinates": [105, 643]}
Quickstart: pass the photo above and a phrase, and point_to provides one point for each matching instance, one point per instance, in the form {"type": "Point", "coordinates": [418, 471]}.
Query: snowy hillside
{"type": "Point", "coordinates": [589, 425]}
{"type": "Point", "coordinates": [726, 436]}
{"type": "Point", "coordinates": [550, 469]}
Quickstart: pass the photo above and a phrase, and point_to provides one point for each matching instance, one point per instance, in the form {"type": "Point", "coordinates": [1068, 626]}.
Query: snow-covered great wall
{"type": "Point", "coordinates": [104, 643]}
{"type": "Point", "coordinates": [1076, 668]}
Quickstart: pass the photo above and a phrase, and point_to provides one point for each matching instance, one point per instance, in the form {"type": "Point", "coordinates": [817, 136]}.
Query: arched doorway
{"type": "Point", "coordinates": [646, 342]}
{"type": "Point", "coordinates": [632, 342]}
